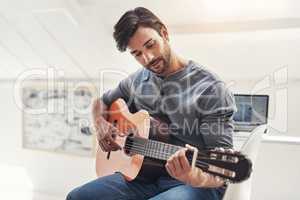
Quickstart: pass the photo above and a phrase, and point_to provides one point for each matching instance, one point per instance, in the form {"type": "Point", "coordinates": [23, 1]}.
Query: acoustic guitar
{"type": "Point", "coordinates": [147, 144]}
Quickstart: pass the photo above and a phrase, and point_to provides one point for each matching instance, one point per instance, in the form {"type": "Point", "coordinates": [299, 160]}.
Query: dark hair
{"type": "Point", "coordinates": [129, 23]}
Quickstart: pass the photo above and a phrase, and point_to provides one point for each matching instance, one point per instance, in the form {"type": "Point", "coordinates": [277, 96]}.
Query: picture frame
{"type": "Point", "coordinates": [57, 117]}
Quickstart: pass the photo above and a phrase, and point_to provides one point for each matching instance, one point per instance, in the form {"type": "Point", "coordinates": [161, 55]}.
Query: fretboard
{"type": "Point", "coordinates": [152, 148]}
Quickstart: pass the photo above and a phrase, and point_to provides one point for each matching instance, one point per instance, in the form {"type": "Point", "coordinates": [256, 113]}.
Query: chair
{"type": "Point", "coordinates": [242, 191]}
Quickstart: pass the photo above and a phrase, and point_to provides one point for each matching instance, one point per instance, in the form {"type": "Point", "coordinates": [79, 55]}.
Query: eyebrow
{"type": "Point", "coordinates": [134, 51]}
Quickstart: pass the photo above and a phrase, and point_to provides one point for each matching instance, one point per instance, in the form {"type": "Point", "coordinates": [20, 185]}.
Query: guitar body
{"type": "Point", "coordinates": [136, 165]}
{"type": "Point", "coordinates": [118, 161]}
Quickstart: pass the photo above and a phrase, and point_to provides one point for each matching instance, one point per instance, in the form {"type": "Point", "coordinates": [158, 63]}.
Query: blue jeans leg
{"type": "Point", "coordinates": [113, 187]}
{"type": "Point", "coordinates": [183, 192]}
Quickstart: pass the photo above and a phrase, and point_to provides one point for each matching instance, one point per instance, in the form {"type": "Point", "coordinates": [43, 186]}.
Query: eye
{"type": "Point", "coordinates": [138, 54]}
{"type": "Point", "coordinates": [151, 44]}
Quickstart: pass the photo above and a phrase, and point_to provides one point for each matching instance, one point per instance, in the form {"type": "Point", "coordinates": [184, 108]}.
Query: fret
{"type": "Point", "coordinates": [162, 153]}
{"type": "Point", "coordinates": [154, 149]}
{"type": "Point", "coordinates": [167, 147]}
{"type": "Point", "coordinates": [146, 148]}
{"type": "Point", "coordinates": [143, 148]}
{"type": "Point", "coordinates": [157, 150]}
{"type": "Point", "coordinates": [151, 147]}
{"type": "Point", "coordinates": [167, 151]}
{"type": "Point", "coordinates": [163, 150]}
{"type": "Point", "coordinates": [160, 150]}
{"type": "Point", "coordinates": [173, 149]}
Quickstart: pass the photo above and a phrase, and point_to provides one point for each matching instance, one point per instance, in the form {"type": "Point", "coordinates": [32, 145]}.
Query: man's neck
{"type": "Point", "coordinates": [176, 64]}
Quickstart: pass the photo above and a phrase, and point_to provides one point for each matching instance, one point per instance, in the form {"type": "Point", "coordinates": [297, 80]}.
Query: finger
{"type": "Point", "coordinates": [169, 170]}
{"type": "Point", "coordinates": [183, 161]}
{"type": "Point", "coordinates": [177, 160]}
{"type": "Point", "coordinates": [107, 138]}
{"type": "Point", "coordinates": [219, 180]}
{"type": "Point", "coordinates": [176, 164]}
{"type": "Point", "coordinates": [189, 147]}
{"type": "Point", "coordinates": [115, 146]}
{"type": "Point", "coordinates": [171, 167]}
{"type": "Point", "coordinates": [101, 146]}
{"type": "Point", "coordinates": [99, 134]}
{"type": "Point", "coordinates": [112, 135]}
{"type": "Point", "coordinates": [104, 146]}
{"type": "Point", "coordinates": [110, 140]}
{"type": "Point", "coordinates": [110, 145]}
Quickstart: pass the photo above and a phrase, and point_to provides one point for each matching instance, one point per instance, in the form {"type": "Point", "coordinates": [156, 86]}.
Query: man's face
{"type": "Point", "coordinates": [151, 49]}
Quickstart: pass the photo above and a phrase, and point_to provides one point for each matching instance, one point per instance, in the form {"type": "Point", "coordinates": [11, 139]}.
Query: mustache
{"type": "Point", "coordinates": [153, 62]}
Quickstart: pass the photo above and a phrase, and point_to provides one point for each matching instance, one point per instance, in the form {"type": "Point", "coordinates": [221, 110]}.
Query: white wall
{"type": "Point", "coordinates": [243, 57]}
{"type": "Point", "coordinates": [277, 172]}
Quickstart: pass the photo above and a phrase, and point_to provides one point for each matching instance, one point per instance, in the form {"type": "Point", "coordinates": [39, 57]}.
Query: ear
{"type": "Point", "coordinates": [164, 33]}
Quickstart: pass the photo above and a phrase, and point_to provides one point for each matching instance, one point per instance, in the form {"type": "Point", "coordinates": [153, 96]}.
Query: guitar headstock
{"type": "Point", "coordinates": [231, 166]}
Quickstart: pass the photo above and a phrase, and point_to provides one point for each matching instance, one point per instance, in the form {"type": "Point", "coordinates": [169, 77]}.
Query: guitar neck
{"type": "Point", "coordinates": [156, 149]}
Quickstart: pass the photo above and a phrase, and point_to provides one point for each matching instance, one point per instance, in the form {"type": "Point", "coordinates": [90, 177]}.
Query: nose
{"type": "Point", "coordinates": [148, 57]}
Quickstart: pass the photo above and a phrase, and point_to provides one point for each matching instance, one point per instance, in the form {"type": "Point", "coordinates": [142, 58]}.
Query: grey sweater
{"type": "Point", "coordinates": [196, 102]}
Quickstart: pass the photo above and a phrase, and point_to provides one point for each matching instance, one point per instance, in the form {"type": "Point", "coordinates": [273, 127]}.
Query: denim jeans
{"type": "Point", "coordinates": [115, 187]}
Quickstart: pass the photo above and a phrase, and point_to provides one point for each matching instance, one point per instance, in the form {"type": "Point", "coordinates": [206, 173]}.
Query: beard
{"type": "Point", "coordinates": [161, 64]}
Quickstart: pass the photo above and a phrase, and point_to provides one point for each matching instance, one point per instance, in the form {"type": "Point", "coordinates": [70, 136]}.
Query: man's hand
{"type": "Point", "coordinates": [179, 168]}
{"type": "Point", "coordinates": [105, 131]}
{"type": "Point", "coordinates": [106, 135]}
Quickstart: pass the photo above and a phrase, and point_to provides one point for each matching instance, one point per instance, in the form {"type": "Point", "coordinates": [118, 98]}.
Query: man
{"type": "Point", "coordinates": [193, 99]}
